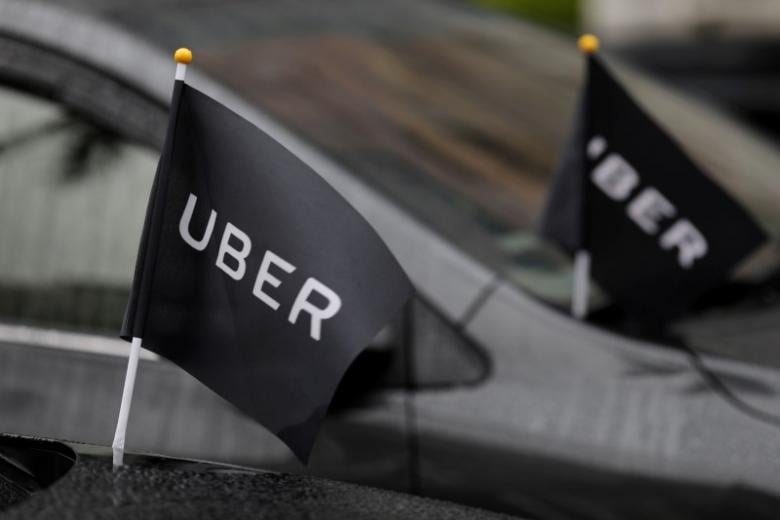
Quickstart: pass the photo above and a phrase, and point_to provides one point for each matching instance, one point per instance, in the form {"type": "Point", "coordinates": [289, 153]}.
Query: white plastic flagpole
{"type": "Point", "coordinates": [588, 44]}
{"type": "Point", "coordinates": [183, 57]}
{"type": "Point", "coordinates": [579, 299]}
{"type": "Point", "coordinates": [127, 399]}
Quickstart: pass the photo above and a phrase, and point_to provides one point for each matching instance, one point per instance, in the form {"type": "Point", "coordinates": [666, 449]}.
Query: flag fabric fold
{"type": "Point", "coordinates": [659, 231]}
{"type": "Point", "coordinates": [253, 274]}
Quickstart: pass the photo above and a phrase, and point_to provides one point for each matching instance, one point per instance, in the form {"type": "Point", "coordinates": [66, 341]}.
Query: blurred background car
{"type": "Point", "coordinates": [441, 122]}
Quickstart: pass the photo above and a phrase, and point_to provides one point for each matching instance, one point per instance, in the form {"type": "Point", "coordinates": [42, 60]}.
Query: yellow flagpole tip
{"type": "Point", "coordinates": [588, 44]}
{"type": "Point", "coordinates": [183, 56]}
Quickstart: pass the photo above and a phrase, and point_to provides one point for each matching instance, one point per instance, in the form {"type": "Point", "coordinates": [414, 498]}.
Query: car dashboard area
{"type": "Point", "coordinates": [47, 479]}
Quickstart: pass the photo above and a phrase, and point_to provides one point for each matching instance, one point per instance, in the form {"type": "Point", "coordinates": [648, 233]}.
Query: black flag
{"type": "Point", "coordinates": [253, 274]}
{"type": "Point", "coordinates": [658, 230]}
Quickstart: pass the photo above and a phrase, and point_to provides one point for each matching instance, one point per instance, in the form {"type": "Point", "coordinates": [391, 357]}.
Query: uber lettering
{"type": "Point", "coordinates": [234, 249]}
{"type": "Point", "coordinates": [647, 208]}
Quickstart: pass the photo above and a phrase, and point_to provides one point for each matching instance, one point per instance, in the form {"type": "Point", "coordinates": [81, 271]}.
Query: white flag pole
{"type": "Point", "coordinates": [579, 298]}
{"type": "Point", "coordinates": [127, 399]}
{"type": "Point", "coordinates": [588, 44]}
{"type": "Point", "coordinates": [183, 57]}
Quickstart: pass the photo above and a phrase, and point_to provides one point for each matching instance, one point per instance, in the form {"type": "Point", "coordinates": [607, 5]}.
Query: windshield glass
{"type": "Point", "coordinates": [462, 126]}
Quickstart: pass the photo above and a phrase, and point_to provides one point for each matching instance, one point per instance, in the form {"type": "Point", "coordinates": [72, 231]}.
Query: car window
{"type": "Point", "coordinates": [463, 127]}
{"type": "Point", "coordinates": [72, 201]}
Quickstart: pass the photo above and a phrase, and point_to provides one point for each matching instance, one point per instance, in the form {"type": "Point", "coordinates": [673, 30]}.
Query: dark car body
{"type": "Point", "coordinates": [41, 478]}
{"type": "Point", "coordinates": [441, 127]}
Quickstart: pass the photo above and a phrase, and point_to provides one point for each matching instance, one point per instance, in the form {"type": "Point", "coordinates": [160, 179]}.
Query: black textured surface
{"type": "Point", "coordinates": [9, 494]}
{"type": "Point", "coordinates": [93, 489]}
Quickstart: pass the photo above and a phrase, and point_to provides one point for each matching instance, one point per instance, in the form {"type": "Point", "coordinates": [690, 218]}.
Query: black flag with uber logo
{"type": "Point", "coordinates": [253, 274]}
{"type": "Point", "coordinates": [659, 231]}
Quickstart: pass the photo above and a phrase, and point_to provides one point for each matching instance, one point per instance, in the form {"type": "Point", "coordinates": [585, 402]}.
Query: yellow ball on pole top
{"type": "Point", "coordinates": [588, 44]}
{"type": "Point", "coordinates": [183, 56]}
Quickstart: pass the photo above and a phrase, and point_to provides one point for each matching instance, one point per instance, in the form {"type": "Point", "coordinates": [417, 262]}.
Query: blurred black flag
{"type": "Point", "coordinates": [253, 274]}
{"type": "Point", "coordinates": [658, 230]}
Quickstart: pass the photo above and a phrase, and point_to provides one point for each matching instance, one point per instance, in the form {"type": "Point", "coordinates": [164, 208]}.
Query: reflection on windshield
{"type": "Point", "coordinates": [413, 119]}
{"type": "Point", "coordinates": [463, 128]}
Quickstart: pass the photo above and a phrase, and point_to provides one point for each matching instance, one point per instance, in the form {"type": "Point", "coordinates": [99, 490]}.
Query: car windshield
{"type": "Point", "coordinates": [462, 126]}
